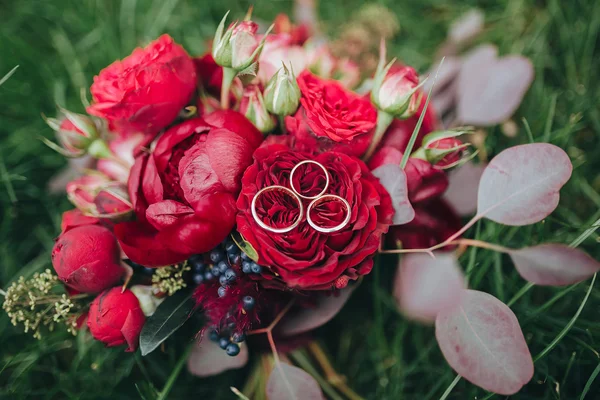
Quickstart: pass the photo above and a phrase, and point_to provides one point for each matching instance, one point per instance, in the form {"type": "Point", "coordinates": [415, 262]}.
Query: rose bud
{"type": "Point", "coordinates": [184, 190]}
{"type": "Point", "coordinates": [347, 72]}
{"type": "Point", "coordinates": [87, 258]}
{"type": "Point", "coordinates": [145, 91]}
{"type": "Point", "coordinates": [253, 107]}
{"type": "Point", "coordinates": [97, 196]}
{"type": "Point", "coordinates": [123, 149]}
{"type": "Point", "coordinates": [395, 91]}
{"type": "Point", "coordinates": [282, 94]}
{"type": "Point", "coordinates": [443, 149]}
{"type": "Point", "coordinates": [239, 46]}
{"type": "Point", "coordinates": [116, 318]}
{"type": "Point", "coordinates": [78, 135]}
{"type": "Point", "coordinates": [321, 62]}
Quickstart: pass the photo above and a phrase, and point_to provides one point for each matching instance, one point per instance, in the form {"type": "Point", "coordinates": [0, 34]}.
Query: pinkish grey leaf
{"type": "Point", "coordinates": [521, 185]}
{"type": "Point", "coordinates": [287, 382]}
{"type": "Point", "coordinates": [467, 27]}
{"type": "Point", "coordinates": [490, 89]}
{"type": "Point", "coordinates": [393, 178]}
{"type": "Point", "coordinates": [208, 359]}
{"type": "Point", "coordinates": [553, 264]}
{"type": "Point", "coordinates": [483, 342]}
{"type": "Point", "coordinates": [308, 319]}
{"type": "Point", "coordinates": [462, 189]}
{"type": "Point", "coordinates": [425, 286]}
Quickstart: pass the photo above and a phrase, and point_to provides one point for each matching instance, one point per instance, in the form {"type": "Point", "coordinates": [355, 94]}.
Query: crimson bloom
{"type": "Point", "coordinates": [87, 258]}
{"type": "Point", "coordinates": [146, 90]}
{"type": "Point", "coordinates": [303, 257]}
{"type": "Point", "coordinates": [116, 318]}
{"type": "Point", "coordinates": [183, 192]}
{"type": "Point", "coordinates": [339, 119]}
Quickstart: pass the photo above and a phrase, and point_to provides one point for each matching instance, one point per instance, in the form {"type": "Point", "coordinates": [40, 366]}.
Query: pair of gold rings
{"type": "Point", "coordinates": [297, 196]}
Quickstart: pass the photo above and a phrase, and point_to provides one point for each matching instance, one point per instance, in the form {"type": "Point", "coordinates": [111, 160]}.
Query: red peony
{"type": "Point", "coordinates": [146, 90]}
{"type": "Point", "coordinates": [116, 318]}
{"type": "Point", "coordinates": [305, 258]}
{"type": "Point", "coordinates": [74, 218]}
{"type": "Point", "coordinates": [333, 114]}
{"type": "Point", "coordinates": [184, 191]}
{"type": "Point", "coordinates": [87, 258]}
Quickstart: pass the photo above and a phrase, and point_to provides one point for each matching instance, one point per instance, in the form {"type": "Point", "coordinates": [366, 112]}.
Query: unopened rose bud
{"type": "Point", "coordinates": [75, 133]}
{"type": "Point", "coordinates": [443, 149]}
{"type": "Point", "coordinates": [347, 72]}
{"type": "Point", "coordinates": [282, 94]}
{"type": "Point", "coordinates": [116, 318]}
{"type": "Point", "coordinates": [239, 46]}
{"type": "Point", "coordinates": [253, 107]}
{"type": "Point", "coordinates": [97, 196]}
{"type": "Point", "coordinates": [395, 91]}
{"type": "Point", "coordinates": [321, 61]}
{"type": "Point", "coordinates": [87, 258]}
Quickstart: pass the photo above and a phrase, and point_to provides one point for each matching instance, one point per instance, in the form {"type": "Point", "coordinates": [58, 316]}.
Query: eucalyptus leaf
{"type": "Point", "coordinates": [168, 317]}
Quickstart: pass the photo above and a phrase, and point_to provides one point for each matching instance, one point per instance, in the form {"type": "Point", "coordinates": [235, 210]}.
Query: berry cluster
{"type": "Point", "coordinates": [230, 342]}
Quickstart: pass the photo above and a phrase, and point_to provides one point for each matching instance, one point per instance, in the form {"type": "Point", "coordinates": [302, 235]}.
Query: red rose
{"type": "Point", "coordinates": [424, 181]}
{"type": "Point", "coordinates": [183, 193]}
{"type": "Point", "coordinates": [434, 222]}
{"type": "Point", "coordinates": [452, 145]}
{"type": "Point", "coordinates": [87, 258]}
{"type": "Point", "coordinates": [145, 91]}
{"type": "Point", "coordinates": [116, 318]}
{"type": "Point", "coordinates": [333, 114]}
{"type": "Point", "coordinates": [305, 258]}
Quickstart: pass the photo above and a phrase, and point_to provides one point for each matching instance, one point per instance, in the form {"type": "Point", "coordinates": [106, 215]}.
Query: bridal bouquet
{"type": "Point", "coordinates": [255, 185]}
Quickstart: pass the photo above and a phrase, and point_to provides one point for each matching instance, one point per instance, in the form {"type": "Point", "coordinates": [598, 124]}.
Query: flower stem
{"type": "Point", "coordinates": [413, 137]}
{"type": "Point", "coordinates": [383, 122]}
{"type": "Point", "coordinates": [332, 376]}
{"type": "Point", "coordinates": [228, 77]}
{"type": "Point", "coordinates": [175, 373]}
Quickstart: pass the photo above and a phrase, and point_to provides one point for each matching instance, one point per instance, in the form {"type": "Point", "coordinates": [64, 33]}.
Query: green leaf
{"type": "Point", "coordinates": [168, 317]}
{"type": "Point", "coordinates": [245, 246]}
{"type": "Point", "coordinates": [8, 75]}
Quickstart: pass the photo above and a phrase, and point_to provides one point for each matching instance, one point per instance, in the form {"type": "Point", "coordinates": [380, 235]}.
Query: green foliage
{"type": "Point", "coordinates": [60, 45]}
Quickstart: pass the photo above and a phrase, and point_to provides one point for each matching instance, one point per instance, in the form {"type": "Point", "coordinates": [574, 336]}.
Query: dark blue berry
{"type": "Point", "coordinates": [198, 266]}
{"type": "Point", "coordinates": [208, 276]}
{"type": "Point", "coordinates": [215, 271]}
{"type": "Point", "coordinates": [213, 336]}
{"type": "Point", "coordinates": [248, 303]}
{"type": "Point", "coordinates": [216, 256]}
{"type": "Point", "coordinates": [231, 326]}
{"type": "Point", "coordinates": [230, 275]}
{"type": "Point", "coordinates": [148, 271]}
{"type": "Point", "coordinates": [223, 343]}
{"type": "Point", "coordinates": [196, 258]}
{"type": "Point", "coordinates": [245, 257]}
{"type": "Point", "coordinates": [231, 248]}
{"type": "Point", "coordinates": [198, 279]}
{"type": "Point", "coordinates": [238, 337]}
{"type": "Point", "coordinates": [232, 349]}
{"type": "Point", "coordinates": [223, 280]}
{"type": "Point", "coordinates": [223, 266]}
{"type": "Point", "coordinates": [256, 269]}
{"type": "Point", "coordinates": [222, 291]}
{"type": "Point", "coordinates": [235, 259]}
{"type": "Point", "coordinates": [247, 267]}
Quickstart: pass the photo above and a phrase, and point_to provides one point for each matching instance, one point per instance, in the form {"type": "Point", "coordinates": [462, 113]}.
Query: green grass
{"type": "Point", "coordinates": [60, 45]}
